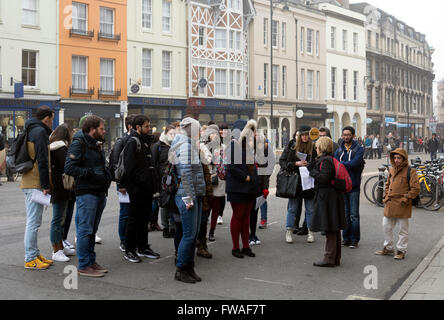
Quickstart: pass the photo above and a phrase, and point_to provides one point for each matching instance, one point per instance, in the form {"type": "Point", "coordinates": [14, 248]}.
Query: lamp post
{"type": "Point", "coordinates": [409, 102]}
{"type": "Point", "coordinates": [285, 8]}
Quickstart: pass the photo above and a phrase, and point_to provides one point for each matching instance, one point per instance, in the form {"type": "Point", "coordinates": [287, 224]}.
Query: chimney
{"type": "Point", "coordinates": [344, 3]}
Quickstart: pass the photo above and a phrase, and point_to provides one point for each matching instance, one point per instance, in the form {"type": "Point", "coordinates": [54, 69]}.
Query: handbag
{"type": "Point", "coordinates": [215, 180]}
{"type": "Point", "coordinates": [68, 182]}
{"type": "Point", "coordinates": [287, 184]}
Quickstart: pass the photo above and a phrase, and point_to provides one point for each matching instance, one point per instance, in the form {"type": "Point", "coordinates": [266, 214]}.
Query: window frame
{"type": "Point", "coordinates": [170, 60]}
{"type": "Point", "coordinates": [169, 31]}
{"type": "Point", "coordinates": [113, 22]}
{"type": "Point", "coordinates": [147, 68]}
{"type": "Point", "coordinates": [148, 13]}
{"type": "Point", "coordinates": [113, 77]}
{"type": "Point", "coordinates": [34, 11]}
{"type": "Point", "coordinates": [79, 74]}
{"type": "Point", "coordinates": [86, 18]}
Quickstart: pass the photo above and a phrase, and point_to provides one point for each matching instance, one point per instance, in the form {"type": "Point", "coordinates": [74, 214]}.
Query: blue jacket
{"type": "Point", "coordinates": [353, 162]}
{"type": "Point", "coordinates": [188, 167]}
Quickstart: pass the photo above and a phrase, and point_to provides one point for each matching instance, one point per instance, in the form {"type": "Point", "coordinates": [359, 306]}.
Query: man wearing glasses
{"type": "Point", "coordinates": [351, 154]}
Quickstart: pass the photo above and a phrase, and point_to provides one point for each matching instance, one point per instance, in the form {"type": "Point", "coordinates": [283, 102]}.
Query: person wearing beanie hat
{"type": "Point", "coordinates": [242, 184]}
{"type": "Point", "coordinates": [300, 147]}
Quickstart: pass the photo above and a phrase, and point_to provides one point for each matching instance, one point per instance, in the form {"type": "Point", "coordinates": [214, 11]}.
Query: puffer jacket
{"type": "Point", "coordinates": [188, 167]}
{"type": "Point", "coordinates": [86, 162]}
{"type": "Point", "coordinates": [59, 149]}
{"type": "Point", "coordinates": [398, 195]}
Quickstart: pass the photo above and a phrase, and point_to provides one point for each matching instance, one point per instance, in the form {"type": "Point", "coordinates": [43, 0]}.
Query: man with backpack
{"type": "Point", "coordinates": [38, 130]}
{"type": "Point", "coordinates": [86, 162]}
{"type": "Point", "coordinates": [351, 155]}
{"type": "Point", "coordinates": [113, 160]}
{"type": "Point", "coordinates": [140, 184]}
{"type": "Point", "coordinates": [401, 189]}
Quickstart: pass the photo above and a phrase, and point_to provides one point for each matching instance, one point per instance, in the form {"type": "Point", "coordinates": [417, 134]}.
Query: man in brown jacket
{"type": "Point", "coordinates": [399, 193]}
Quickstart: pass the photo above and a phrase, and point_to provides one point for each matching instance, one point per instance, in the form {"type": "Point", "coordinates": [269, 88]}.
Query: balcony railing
{"type": "Point", "coordinates": [81, 33]}
{"type": "Point", "coordinates": [109, 93]}
{"type": "Point", "coordinates": [109, 36]}
{"type": "Point", "coordinates": [81, 91]}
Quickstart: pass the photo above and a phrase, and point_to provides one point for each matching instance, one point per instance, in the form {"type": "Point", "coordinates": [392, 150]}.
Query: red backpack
{"type": "Point", "coordinates": [342, 182]}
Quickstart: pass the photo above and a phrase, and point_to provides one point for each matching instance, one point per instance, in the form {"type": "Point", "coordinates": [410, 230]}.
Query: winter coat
{"type": "Point", "coordinates": [353, 161]}
{"type": "Point", "coordinates": [59, 149]}
{"type": "Point", "coordinates": [219, 189]}
{"type": "Point", "coordinates": [38, 150]}
{"type": "Point", "coordinates": [160, 151]}
{"type": "Point", "coordinates": [433, 145]}
{"type": "Point", "coordinates": [329, 211]}
{"type": "Point", "coordinates": [139, 170]}
{"type": "Point", "coordinates": [237, 170]}
{"type": "Point", "coordinates": [115, 155]}
{"type": "Point", "coordinates": [398, 196]}
{"type": "Point", "coordinates": [86, 162]}
{"type": "Point", "coordinates": [288, 161]}
{"type": "Point", "coordinates": [188, 167]}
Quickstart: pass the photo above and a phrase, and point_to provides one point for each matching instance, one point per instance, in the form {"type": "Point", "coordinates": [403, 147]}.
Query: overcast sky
{"type": "Point", "coordinates": [425, 16]}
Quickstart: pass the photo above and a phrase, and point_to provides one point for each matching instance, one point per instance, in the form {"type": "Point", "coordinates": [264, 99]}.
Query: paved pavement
{"type": "Point", "coordinates": [279, 271]}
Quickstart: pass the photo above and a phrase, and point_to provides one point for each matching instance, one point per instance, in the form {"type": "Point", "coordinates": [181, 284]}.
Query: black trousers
{"type": "Point", "coordinates": [253, 220]}
{"type": "Point", "coordinates": [137, 225]}
{"type": "Point", "coordinates": [203, 225]}
{"type": "Point", "coordinates": [333, 248]}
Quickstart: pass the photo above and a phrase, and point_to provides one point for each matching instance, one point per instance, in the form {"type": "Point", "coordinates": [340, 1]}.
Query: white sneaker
{"type": "Point", "coordinates": [220, 220]}
{"type": "Point", "coordinates": [310, 238]}
{"type": "Point", "coordinates": [69, 252]}
{"type": "Point", "coordinates": [258, 242]}
{"type": "Point", "coordinates": [67, 244]}
{"type": "Point", "coordinates": [59, 256]}
{"type": "Point", "coordinates": [252, 243]}
{"type": "Point", "coordinates": [288, 236]}
{"type": "Point", "coordinates": [98, 239]}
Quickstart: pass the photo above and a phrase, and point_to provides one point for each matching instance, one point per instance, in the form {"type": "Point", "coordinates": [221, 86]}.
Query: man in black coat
{"type": "Point", "coordinates": [140, 185]}
{"type": "Point", "coordinates": [433, 146]}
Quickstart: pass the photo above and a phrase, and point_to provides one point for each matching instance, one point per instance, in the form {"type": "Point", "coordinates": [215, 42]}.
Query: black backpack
{"type": "Point", "coordinates": [17, 158]}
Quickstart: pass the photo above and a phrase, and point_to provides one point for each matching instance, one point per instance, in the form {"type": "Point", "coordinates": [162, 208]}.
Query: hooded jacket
{"type": "Point", "coordinates": [353, 161]}
{"type": "Point", "coordinates": [86, 162]}
{"type": "Point", "coordinates": [38, 150]}
{"type": "Point", "coordinates": [241, 165]}
{"type": "Point", "coordinates": [398, 195]}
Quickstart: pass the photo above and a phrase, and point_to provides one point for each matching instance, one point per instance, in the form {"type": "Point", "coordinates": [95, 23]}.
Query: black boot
{"type": "Point", "coordinates": [211, 236]}
{"type": "Point", "coordinates": [193, 274]}
{"type": "Point", "coordinates": [303, 231]}
{"type": "Point", "coordinates": [183, 275]}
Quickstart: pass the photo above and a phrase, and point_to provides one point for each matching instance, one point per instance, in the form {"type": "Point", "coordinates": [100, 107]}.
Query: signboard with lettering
{"type": "Point", "coordinates": [19, 91]}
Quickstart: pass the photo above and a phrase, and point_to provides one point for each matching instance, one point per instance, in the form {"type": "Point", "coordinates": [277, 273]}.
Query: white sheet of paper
{"type": "Point", "coordinates": [302, 156]}
{"type": "Point", "coordinates": [123, 198]}
{"type": "Point", "coordinates": [260, 201]}
{"type": "Point", "coordinates": [37, 196]}
{"type": "Point", "coordinates": [187, 200]}
{"type": "Point", "coordinates": [307, 180]}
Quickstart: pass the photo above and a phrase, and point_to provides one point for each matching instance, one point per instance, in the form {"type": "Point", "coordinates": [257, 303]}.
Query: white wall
{"type": "Point", "coordinates": [43, 38]}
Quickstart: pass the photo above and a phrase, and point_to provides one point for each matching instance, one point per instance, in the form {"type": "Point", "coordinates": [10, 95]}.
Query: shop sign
{"type": "Point", "coordinates": [19, 91]}
{"type": "Point", "coordinates": [389, 119]}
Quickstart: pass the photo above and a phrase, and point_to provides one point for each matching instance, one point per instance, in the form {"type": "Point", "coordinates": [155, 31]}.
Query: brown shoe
{"type": "Point", "coordinates": [400, 255]}
{"type": "Point", "coordinates": [202, 249]}
{"type": "Point", "coordinates": [91, 272]}
{"type": "Point", "coordinates": [385, 252]}
{"type": "Point", "coordinates": [99, 268]}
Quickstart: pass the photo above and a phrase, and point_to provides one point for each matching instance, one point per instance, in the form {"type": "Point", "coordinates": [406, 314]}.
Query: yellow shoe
{"type": "Point", "coordinates": [36, 264]}
{"type": "Point", "coordinates": [44, 260]}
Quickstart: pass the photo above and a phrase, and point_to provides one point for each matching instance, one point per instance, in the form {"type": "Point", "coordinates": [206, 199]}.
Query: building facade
{"type": "Point", "coordinates": [399, 76]}
{"type": "Point", "coordinates": [297, 74]}
{"type": "Point", "coordinates": [28, 62]}
{"type": "Point", "coordinates": [93, 62]}
{"type": "Point", "coordinates": [346, 63]}
{"type": "Point", "coordinates": [217, 79]}
{"type": "Point", "coordinates": [157, 60]}
{"type": "Point", "coordinates": [440, 108]}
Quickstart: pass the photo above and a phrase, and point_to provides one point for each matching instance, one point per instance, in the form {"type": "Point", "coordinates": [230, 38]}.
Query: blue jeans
{"type": "Point", "coordinates": [292, 209]}
{"type": "Point", "coordinates": [433, 155]}
{"type": "Point", "coordinates": [123, 219]}
{"type": "Point", "coordinates": [352, 231]}
{"type": "Point", "coordinates": [264, 211]}
{"type": "Point", "coordinates": [59, 211]}
{"type": "Point", "coordinates": [34, 212]}
{"type": "Point", "coordinates": [154, 217]}
{"type": "Point", "coordinates": [88, 215]}
{"type": "Point", "coordinates": [190, 224]}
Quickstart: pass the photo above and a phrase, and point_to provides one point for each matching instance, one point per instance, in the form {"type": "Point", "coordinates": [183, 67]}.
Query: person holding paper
{"type": "Point", "coordinates": [329, 211]}
{"type": "Point", "coordinates": [185, 156]}
{"type": "Point", "coordinates": [39, 129]}
{"type": "Point", "coordinates": [291, 161]}
{"type": "Point", "coordinates": [59, 140]}
{"type": "Point", "coordinates": [141, 184]}
{"type": "Point", "coordinates": [242, 183]}
{"type": "Point", "coordinates": [86, 162]}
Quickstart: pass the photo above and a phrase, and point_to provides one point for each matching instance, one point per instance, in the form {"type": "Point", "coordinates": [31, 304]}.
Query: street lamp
{"type": "Point", "coordinates": [409, 102]}
{"type": "Point", "coordinates": [284, 8]}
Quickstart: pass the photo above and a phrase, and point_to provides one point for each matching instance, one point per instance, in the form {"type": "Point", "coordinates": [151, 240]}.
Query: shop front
{"type": "Point", "coordinates": [72, 112]}
{"type": "Point", "coordinates": [161, 111]}
{"type": "Point", "coordinates": [375, 123]}
{"type": "Point", "coordinates": [220, 110]}
{"type": "Point", "coordinates": [15, 112]}
{"type": "Point", "coordinates": [283, 123]}
{"type": "Point", "coordinates": [314, 116]}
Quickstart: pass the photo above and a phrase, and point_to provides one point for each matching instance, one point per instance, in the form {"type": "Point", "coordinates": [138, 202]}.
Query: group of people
{"type": "Point", "coordinates": [190, 172]}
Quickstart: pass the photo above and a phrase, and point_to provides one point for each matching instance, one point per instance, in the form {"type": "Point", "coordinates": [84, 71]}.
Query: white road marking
{"type": "Point", "coordinates": [359, 298]}
{"type": "Point", "coordinates": [272, 282]}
